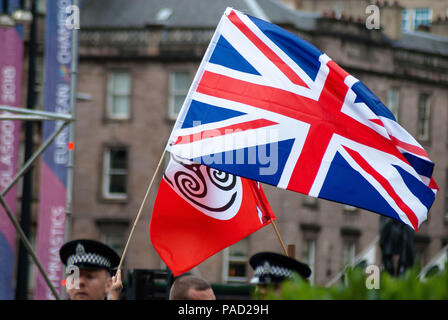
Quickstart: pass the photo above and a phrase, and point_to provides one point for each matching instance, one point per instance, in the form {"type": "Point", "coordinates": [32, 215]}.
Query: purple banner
{"type": "Point", "coordinates": [11, 57]}
{"type": "Point", "coordinates": [53, 174]}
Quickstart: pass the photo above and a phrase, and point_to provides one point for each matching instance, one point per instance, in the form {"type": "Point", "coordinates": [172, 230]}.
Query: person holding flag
{"type": "Point", "coordinates": [95, 262]}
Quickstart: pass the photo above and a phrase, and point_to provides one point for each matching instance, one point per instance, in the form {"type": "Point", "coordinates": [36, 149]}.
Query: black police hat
{"type": "Point", "coordinates": [270, 267]}
{"type": "Point", "coordinates": [89, 254]}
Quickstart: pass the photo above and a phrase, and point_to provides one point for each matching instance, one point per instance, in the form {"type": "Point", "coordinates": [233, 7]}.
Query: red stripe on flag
{"type": "Point", "coordinates": [385, 184]}
{"type": "Point", "coordinates": [409, 147]}
{"type": "Point", "coordinates": [270, 54]}
{"type": "Point", "coordinates": [260, 96]}
{"type": "Point", "coordinates": [433, 184]}
{"type": "Point", "coordinates": [377, 121]}
{"type": "Point", "coordinates": [239, 127]}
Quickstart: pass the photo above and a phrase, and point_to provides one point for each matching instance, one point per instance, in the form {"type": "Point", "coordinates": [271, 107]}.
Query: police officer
{"type": "Point", "coordinates": [95, 261]}
{"type": "Point", "coordinates": [271, 269]}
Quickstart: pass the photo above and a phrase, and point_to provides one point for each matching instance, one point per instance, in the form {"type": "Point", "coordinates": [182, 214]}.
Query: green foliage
{"type": "Point", "coordinates": [405, 287]}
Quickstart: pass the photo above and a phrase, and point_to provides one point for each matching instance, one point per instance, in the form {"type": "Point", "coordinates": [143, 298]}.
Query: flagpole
{"type": "Point", "coordinates": [279, 237]}
{"type": "Point", "coordinates": [140, 210]}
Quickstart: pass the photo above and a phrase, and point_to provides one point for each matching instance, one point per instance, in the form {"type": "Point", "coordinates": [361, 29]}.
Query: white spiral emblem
{"type": "Point", "coordinates": [215, 193]}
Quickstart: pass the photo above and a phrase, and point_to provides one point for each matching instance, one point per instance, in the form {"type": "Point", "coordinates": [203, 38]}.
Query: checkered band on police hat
{"type": "Point", "coordinates": [271, 267]}
{"type": "Point", "coordinates": [270, 273]}
{"type": "Point", "coordinates": [275, 271]}
{"type": "Point", "coordinates": [85, 253]}
{"type": "Point", "coordinates": [89, 258]}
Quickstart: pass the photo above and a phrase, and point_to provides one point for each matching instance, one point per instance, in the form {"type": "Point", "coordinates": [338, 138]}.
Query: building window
{"type": "Point", "coordinates": [115, 239]}
{"type": "Point", "coordinates": [310, 202]}
{"type": "Point", "coordinates": [113, 232]}
{"type": "Point", "coordinates": [405, 25]}
{"type": "Point", "coordinates": [424, 112]}
{"type": "Point", "coordinates": [419, 255]}
{"type": "Point", "coordinates": [235, 262]}
{"type": "Point", "coordinates": [118, 96]}
{"type": "Point", "coordinates": [179, 85]}
{"type": "Point", "coordinates": [393, 102]}
{"type": "Point", "coordinates": [413, 18]}
{"type": "Point", "coordinates": [115, 162]}
{"type": "Point", "coordinates": [422, 16]}
{"type": "Point", "coordinates": [349, 208]}
{"type": "Point", "coordinates": [308, 255]}
{"type": "Point", "coordinates": [348, 252]}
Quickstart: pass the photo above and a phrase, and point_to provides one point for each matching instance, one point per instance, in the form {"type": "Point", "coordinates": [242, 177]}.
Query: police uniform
{"type": "Point", "coordinates": [273, 268]}
{"type": "Point", "coordinates": [89, 254]}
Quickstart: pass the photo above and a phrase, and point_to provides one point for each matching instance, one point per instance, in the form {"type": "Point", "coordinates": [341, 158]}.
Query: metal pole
{"type": "Point", "coordinates": [71, 136]}
{"type": "Point", "coordinates": [27, 191]}
{"type": "Point", "coordinates": [44, 114]}
{"type": "Point", "coordinates": [26, 118]}
{"type": "Point", "coordinates": [28, 246]}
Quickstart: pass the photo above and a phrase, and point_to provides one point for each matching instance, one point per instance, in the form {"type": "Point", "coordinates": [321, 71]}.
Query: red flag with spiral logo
{"type": "Point", "coordinates": [200, 210]}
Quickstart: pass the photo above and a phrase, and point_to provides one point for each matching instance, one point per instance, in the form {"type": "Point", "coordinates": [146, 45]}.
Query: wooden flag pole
{"type": "Point", "coordinates": [140, 210]}
{"type": "Point", "coordinates": [279, 237]}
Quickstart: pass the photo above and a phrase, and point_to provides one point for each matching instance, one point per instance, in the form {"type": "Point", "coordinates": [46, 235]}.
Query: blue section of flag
{"type": "Point", "coordinates": [203, 113]}
{"type": "Point", "coordinates": [357, 191]}
{"type": "Point", "coordinates": [260, 163]}
{"type": "Point", "coordinates": [418, 188]}
{"type": "Point", "coordinates": [301, 52]}
{"type": "Point", "coordinates": [421, 166]}
{"type": "Point", "coordinates": [226, 55]}
{"type": "Point", "coordinates": [7, 259]}
{"type": "Point", "coordinates": [365, 95]}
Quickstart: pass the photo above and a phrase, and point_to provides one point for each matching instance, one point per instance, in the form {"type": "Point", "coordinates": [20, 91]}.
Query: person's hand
{"type": "Point", "coordinates": [116, 287]}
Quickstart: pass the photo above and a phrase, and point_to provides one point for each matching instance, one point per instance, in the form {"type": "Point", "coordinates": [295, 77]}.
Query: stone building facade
{"type": "Point", "coordinates": [136, 63]}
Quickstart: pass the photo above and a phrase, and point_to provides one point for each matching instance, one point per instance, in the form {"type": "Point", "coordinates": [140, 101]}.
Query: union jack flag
{"type": "Point", "coordinates": [268, 106]}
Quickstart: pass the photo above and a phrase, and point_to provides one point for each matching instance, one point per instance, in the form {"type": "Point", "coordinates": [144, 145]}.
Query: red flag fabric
{"type": "Point", "coordinates": [200, 210]}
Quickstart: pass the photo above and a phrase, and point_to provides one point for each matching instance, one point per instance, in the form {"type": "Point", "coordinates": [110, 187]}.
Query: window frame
{"type": "Point", "coordinates": [396, 91]}
{"type": "Point", "coordinates": [173, 92]}
{"type": "Point", "coordinates": [107, 232]}
{"type": "Point", "coordinates": [111, 94]}
{"type": "Point", "coordinates": [428, 11]}
{"type": "Point", "coordinates": [311, 260]}
{"type": "Point", "coordinates": [406, 19]}
{"type": "Point", "coordinates": [353, 245]}
{"type": "Point", "coordinates": [107, 226]}
{"type": "Point", "coordinates": [310, 202]}
{"type": "Point", "coordinates": [227, 259]}
{"type": "Point", "coordinates": [105, 175]}
{"type": "Point", "coordinates": [409, 18]}
{"type": "Point", "coordinates": [350, 208]}
{"type": "Point", "coordinates": [426, 135]}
